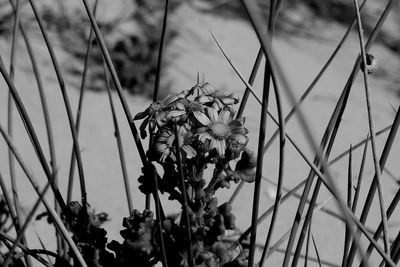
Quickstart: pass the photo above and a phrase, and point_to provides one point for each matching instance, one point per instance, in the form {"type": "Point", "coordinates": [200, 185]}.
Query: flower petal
{"type": "Point", "coordinates": [169, 99]}
{"type": "Point", "coordinates": [141, 115]}
{"type": "Point", "coordinates": [202, 118]}
{"type": "Point", "coordinates": [204, 99]}
{"type": "Point", "coordinates": [228, 101]}
{"type": "Point", "coordinates": [213, 143]}
{"type": "Point", "coordinates": [212, 114]}
{"type": "Point", "coordinates": [207, 89]}
{"type": "Point", "coordinates": [239, 130]}
{"type": "Point", "coordinates": [225, 116]}
{"type": "Point", "coordinates": [175, 113]}
{"type": "Point", "coordinates": [190, 152]}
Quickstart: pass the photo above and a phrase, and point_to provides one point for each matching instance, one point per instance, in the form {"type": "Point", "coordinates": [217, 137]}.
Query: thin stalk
{"type": "Point", "coordinates": [260, 159]}
{"type": "Point", "coordinates": [285, 236]}
{"type": "Point", "coordinates": [66, 103]}
{"type": "Point", "coordinates": [282, 141]}
{"type": "Point", "coordinates": [274, 12]}
{"type": "Point", "coordinates": [302, 98]}
{"type": "Point", "coordinates": [316, 250]}
{"type": "Point", "coordinates": [395, 250]}
{"type": "Point", "coordinates": [307, 247]}
{"type": "Point", "coordinates": [255, 21]}
{"type": "Point", "coordinates": [117, 84]}
{"type": "Point", "coordinates": [307, 222]}
{"type": "Point", "coordinates": [358, 145]}
{"type": "Point", "coordinates": [391, 175]}
{"type": "Point", "coordinates": [160, 218]}
{"type": "Point", "coordinates": [347, 236]}
{"type": "Point", "coordinates": [157, 79]}
{"type": "Point", "coordinates": [10, 123]}
{"type": "Point", "coordinates": [79, 109]}
{"type": "Point", "coordinates": [56, 219]}
{"type": "Point", "coordinates": [313, 198]}
{"type": "Point", "coordinates": [389, 213]}
{"type": "Point", "coordinates": [43, 100]}
{"type": "Point", "coordinates": [372, 190]}
{"type": "Point", "coordinates": [372, 131]}
{"type": "Point", "coordinates": [10, 126]}
{"type": "Point", "coordinates": [28, 219]}
{"type": "Point", "coordinates": [160, 54]}
{"type": "Point", "coordinates": [269, 210]}
{"type": "Point", "coordinates": [119, 144]}
{"type": "Point", "coordinates": [9, 204]}
{"type": "Point", "coordinates": [258, 245]}
{"type": "Point", "coordinates": [4, 237]}
{"type": "Point", "coordinates": [316, 79]}
{"type": "Point", "coordinates": [43, 246]}
{"type": "Point", "coordinates": [360, 178]}
{"type": "Point", "coordinates": [185, 206]}
{"type": "Point", "coordinates": [334, 123]}
{"type": "Point", "coordinates": [32, 134]}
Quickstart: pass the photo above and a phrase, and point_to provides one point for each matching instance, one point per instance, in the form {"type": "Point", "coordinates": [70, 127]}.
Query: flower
{"type": "Point", "coordinates": [165, 143]}
{"type": "Point", "coordinates": [217, 99]}
{"type": "Point", "coordinates": [158, 113]}
{"type": "Point", "coordinates": [188, 109]}
{"type": "Point", "coordinates": [221, 130]}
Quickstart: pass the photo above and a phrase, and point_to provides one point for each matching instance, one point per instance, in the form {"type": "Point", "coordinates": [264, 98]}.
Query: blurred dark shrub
{"type": "Point", "coordinates": [132, 38]}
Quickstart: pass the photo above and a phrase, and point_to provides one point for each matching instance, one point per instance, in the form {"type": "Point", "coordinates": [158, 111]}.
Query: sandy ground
{"type": "Point", "coordinates": [301, 59]}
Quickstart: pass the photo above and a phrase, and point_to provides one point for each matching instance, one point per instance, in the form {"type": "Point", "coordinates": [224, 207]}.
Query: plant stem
{"type": "Point", "coordinates": [372, 132]}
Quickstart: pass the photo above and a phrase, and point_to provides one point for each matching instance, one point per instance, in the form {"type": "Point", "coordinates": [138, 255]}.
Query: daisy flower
{"type": "Point", "coordinates": [188, 109]}
{"type": "Point", "coordinates": [165, 143]}
{"type": "Point", "coordinates": [158, 113]}
{"type": "Point", "coordinates": [218, 99]}
{"type": "Point", "coordinates": [221, 130]}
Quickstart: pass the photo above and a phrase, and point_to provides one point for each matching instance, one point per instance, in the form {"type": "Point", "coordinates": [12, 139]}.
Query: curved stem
{"type": "Point", "coordinates": [372, 132]}
{"type": "Point", "coordinates": [79, 109]}
{"type": "Point", "coordinates": [66, 103]}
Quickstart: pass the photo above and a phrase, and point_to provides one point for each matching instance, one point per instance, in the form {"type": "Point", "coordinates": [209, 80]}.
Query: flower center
{"type": "Point", "coordinates": [219, 131]}
{"type": "Point", "coordinates": [193, 106]}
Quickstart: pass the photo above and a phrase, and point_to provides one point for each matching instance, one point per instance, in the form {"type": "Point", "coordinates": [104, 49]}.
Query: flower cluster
{"type": "Point", "coordinates": [195, 129]}
{"type": "Point", "coordinates": [204, 118]}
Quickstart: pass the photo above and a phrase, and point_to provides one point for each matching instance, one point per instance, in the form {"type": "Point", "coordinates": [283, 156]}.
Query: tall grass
{"type": "Point", "coordinates": [65, 214]}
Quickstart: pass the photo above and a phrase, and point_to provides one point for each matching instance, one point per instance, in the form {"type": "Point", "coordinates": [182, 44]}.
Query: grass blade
{"type": "Point", "coordinates": [372, 131]}
{"type": "Point", "coordinates": [28, 219]}
{"type": "Point", "coordinates": [32, 134]}
{"type": "Point", "coordinates": [185, 206]}
{"type": "Point", "coordinates": [66, 103]}
{"type": "Point", "coordinates": [5, 238]}
{"type": "Point", "coordinates": [360, 178]}
{"type": "Point", "coordinates": [373, 186]}
{"type": "Point", "coordinates": [255, 21]}
{"type": "Point", "coordinates": [79, 109]}
{"type": "Point", "coordinates": [260, 159]}
{"type": "Point", "coordinates": [157, 80]}
{"type": "Point", "coordinates": [117, 84]}
{"type": "Point", "coordinates": [316, 250]}
{"type": "Point", "coordinates": [60, 226]}
{"type": "Point", "coordinates": [119, 144]}
{"type": "Point", "coordinates": [347, 236]}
